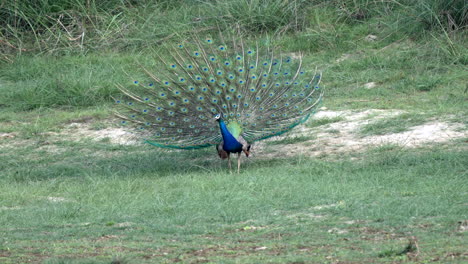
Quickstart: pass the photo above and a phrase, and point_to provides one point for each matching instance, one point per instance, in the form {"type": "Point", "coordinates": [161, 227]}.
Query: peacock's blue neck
{"type": "Point", "coordinates": [230, 142]}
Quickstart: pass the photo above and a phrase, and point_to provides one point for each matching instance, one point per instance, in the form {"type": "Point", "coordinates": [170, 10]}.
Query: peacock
{"type": "Point", "coordinates": [227, 92]}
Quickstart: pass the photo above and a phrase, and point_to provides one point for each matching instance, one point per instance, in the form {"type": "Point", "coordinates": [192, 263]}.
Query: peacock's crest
{"type": "Point", "coordinates": [258, 92]}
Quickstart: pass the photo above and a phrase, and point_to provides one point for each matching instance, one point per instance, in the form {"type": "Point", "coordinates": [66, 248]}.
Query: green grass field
{"type": "Point", "coordinates": [139, 207]}
{"type": "Point", "coordinates": [70, 193]}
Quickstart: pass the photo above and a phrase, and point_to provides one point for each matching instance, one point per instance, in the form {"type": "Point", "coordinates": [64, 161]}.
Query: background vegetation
{"type": "Point", "coordinates": [87, 201]}
{"type": "Point", "coordinates": [86, 38]}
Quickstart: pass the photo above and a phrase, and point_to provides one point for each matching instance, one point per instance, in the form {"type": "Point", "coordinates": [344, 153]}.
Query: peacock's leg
{"type": "Point", "coordinates": [229, 161]}
{"type": "Point", "coordinates": [238, 161]}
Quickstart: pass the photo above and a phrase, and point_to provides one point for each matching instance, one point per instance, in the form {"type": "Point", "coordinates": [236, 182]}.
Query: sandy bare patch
{"type": "Point", "coordinates": [108, 237]}
{"type": "Point", "coordinates": [78, 131]}
{"type": "Point", "coordinates": [431, 132]}
{"type": "Point", "coordinates": [325, 206]}
{"type": "Point", "coordinates": [307, 215]}
{"type": "Point", "coordinates": [462, 226]}
{"type": "Point", "coordinates": [7, 135]}
{"type": "Point", "coordinates": [9, 208]}
{"type": "Point", "coordinates": [57, 199]}
{"type": "Point", "coordinates": [337, 231]}
{"type": "Point", "coordinates": [124, 224]}
{"type": "Point", "coordinates": [343, 136]}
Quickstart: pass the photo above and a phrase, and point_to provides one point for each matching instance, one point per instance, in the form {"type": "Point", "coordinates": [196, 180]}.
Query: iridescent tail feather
{"type": "Point", "coordinates": [266, 92]}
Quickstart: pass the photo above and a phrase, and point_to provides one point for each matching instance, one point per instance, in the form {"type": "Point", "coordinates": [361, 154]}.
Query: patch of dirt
{"type": "Point", "coordinates": [462, 226]}
{"type": "Point", "coordinates": [107, 237]}
{"type": "Point", "coordinates": [124, 224]}
{"type": "Point", "coordinates": [325, 206]}
{"type": "Point", "coordinates": [251, 228]}
{"type": "Point", "coordinates": [352, 222]}
{"type": "Point", "coordinates": [307, 215]}
{"type": "Point", "coordinates": [373, 234]}
{"type": "Point", "coordinates": [456, 255]}
{"type": "Point", "coordinates": [56, 199]}
{"type": "Point", "coordinates": [84, 119]}
{"type": "Point", "coordinates": [337, 231]}
{"type": "Point", "coordinates": [432, 132]}
{"type": "Point", "coordinates": [343, 136]}
{"type": "Point", "coordinates": [78, 131]}
{"type": "Point", "coordinates": [313, 215]}
{"type": "Point", "coordinates": [9, 208]}
{"type": "Point", "coordinates": [8, 135]}
{"type": "Point", "coordinates": [4, 253]}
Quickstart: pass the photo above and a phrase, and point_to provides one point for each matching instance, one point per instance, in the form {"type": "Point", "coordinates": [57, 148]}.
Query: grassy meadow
{"type": "Point", "coordinates": [70, 194]}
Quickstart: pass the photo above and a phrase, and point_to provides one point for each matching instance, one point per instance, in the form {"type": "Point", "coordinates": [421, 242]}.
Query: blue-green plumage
{"type": "Point", "coordinates": [255, 93]}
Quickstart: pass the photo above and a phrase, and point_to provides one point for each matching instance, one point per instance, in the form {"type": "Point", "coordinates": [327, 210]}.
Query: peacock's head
{"type": "Point", "coordinates": [217, 117]}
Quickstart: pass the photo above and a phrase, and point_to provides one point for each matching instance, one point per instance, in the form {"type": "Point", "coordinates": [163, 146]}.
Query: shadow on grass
{"type": "Point", "coordinates": [105, 160]}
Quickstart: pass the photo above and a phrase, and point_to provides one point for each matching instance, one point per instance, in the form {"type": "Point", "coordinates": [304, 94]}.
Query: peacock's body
{"type": "Point", "coordinates": [253, 93]}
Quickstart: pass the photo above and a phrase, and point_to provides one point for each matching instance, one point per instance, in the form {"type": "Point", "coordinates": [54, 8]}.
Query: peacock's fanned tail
{"type": "Point", "coordinates": [266, 92]}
